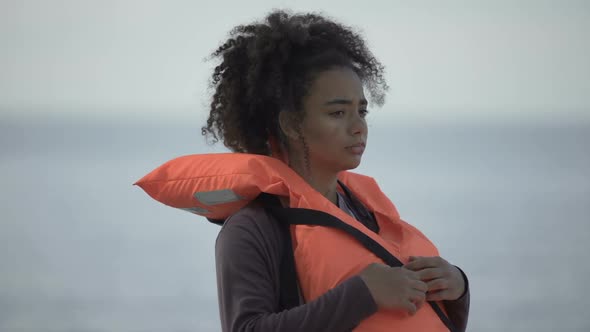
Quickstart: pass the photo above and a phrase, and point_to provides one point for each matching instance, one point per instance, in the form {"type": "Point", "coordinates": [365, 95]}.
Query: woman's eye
{"type": "Point", "coordinates": [337, 113]}
{"type": "Point", "coordinates": [363, 113]}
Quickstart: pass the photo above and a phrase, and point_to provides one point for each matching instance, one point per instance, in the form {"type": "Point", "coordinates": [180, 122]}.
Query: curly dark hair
{"type": "Point", "coordinates": [267, 67]}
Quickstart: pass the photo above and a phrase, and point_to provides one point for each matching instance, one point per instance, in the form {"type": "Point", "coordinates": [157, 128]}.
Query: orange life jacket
{"type": "Point", "coordinates": [217, 185]}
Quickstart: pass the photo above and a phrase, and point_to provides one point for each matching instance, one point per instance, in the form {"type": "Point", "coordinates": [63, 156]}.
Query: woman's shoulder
{"type": "Point", "coordinates": [252, 223]}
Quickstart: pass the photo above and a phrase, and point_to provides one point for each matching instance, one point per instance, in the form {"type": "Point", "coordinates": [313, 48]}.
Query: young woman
{"type": "Point", "coordinates": [293, 87]}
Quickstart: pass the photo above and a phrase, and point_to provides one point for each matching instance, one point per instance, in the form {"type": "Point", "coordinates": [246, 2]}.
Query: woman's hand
{"type": "Point", "coordinates": [444, 281]}
{"type": "Point", "coordinates": [394, 288]}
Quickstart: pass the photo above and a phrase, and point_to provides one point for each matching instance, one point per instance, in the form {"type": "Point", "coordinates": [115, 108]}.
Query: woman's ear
{"type": "Point", "coordinates": [288, 124]}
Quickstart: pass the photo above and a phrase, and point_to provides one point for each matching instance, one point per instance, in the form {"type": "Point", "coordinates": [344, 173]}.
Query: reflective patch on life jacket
{"type": "Point", "coordinates": [196, 210]}
{"type": "Point", "coordinates": [217, 196]}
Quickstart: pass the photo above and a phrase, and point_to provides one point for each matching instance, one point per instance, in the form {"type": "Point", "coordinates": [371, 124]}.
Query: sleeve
{"type": "Point", "coordinates": [458, 310]}
{"type": "Point", "coordinates": [248, 292]}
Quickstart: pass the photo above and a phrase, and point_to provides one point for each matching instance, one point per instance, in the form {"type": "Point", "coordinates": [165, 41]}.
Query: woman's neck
{"type": "Point", "coordinates": [325, 185]}
{"type": "Point", "coordinates": [323, 181]}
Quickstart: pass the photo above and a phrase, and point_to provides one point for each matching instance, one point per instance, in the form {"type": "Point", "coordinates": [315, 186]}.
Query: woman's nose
{"type": "Point", "coordinates": [358, 125]}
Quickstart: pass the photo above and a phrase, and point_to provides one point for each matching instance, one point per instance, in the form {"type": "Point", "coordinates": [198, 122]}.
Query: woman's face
{"type": "Point", "coordinates": [334, 126]}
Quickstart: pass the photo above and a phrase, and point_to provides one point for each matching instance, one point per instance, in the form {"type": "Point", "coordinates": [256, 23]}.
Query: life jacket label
{"type": "Point", "coordinates": [216, 197]}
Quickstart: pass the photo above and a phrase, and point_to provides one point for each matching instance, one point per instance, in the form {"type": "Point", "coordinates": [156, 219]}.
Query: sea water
{"type": "Point", "coordinates": [81, 249]}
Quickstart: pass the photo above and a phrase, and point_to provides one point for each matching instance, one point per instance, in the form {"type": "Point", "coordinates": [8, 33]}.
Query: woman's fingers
{"type": "Point", "coordinates": [420, 263]}
{"type": "Point", "coordinates": [411, 307]}
{"type": "Point", "coordinates": [443, 281]}
{"type": "Point", "coordinates": [420, 286]}
{"type": "Point", "coordinates": [417, 296]}
{"type": "Point", "coordinates": [416, 263]}
{"type": "Point", "coordinates": [438, 284]}
{"type": "Point", "coordinates": [430, 274]}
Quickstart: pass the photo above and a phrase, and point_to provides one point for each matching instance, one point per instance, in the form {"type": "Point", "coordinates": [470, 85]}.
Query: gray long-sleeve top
{"type": "Point", "coordinates": [248, 253]}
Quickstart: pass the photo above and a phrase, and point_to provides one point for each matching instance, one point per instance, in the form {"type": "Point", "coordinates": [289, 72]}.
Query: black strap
{"type": "Point", "coordinates": [289, 289]}
{"type": "Point", "coordinates": [298, 216]}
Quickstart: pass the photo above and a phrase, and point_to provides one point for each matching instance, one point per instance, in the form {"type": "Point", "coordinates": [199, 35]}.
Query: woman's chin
{"type": "Point", "coordinates": [352, 164]}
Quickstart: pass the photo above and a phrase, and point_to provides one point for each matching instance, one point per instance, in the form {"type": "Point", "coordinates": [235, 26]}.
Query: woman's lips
{"type": "Point", "coordinates": [357, 148]}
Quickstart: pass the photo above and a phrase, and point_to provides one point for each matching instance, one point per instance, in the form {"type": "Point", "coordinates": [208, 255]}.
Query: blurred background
{"type": "Point", "coordinates": [483, 144]}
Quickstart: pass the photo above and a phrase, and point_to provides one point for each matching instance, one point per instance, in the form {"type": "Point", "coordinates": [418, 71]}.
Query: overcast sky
{"type": "Point", "coordinates": [109, 55]}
